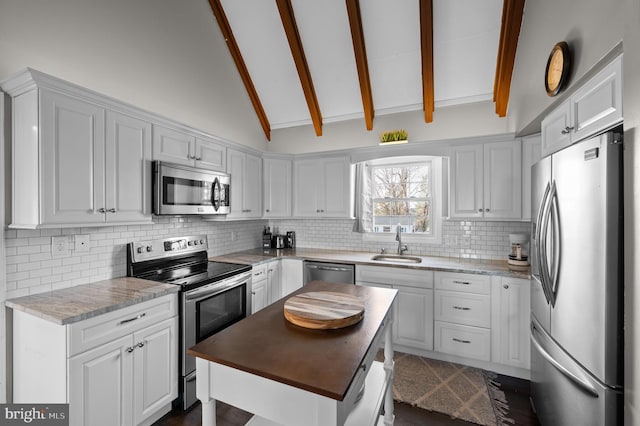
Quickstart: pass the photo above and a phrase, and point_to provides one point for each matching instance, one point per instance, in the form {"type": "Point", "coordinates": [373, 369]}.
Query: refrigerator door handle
{"type": "Point", "coordinates": [543, 266]}
{"type": "Point", "coordinates": [538, 226]}
{"type": "Point", "coordinates": [579, 382]}
{"type": "Point", "coordinates": [556, 249]}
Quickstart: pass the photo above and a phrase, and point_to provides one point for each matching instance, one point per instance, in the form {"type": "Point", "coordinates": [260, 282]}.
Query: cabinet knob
{"type": "Point", "coordinates": [567, 130]}
{"type": "Point", "coordinates": [112, 210]}
{"type": "Point", "coordinates": [268, 210]}
{"type": "Point", "coordinates": [506, 286]}
{"type": "Point", "coordinates": [480, 210]}
{"type": "Point", "coordinates": [486, 210]}
{"type": "Point", "coordinates": [130, 349]}
{"type": "Point", "coordinates": [198, 158]}
{"type": "Point", "coordinates": [317, 210]}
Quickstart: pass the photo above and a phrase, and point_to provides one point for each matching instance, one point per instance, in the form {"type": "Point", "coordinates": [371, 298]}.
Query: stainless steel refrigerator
{"type": "Point", "coordinates": [577, 284]}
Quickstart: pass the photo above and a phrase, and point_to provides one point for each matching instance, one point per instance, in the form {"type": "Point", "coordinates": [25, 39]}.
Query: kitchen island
{"type": "Point", "coordinates": [289, 375]}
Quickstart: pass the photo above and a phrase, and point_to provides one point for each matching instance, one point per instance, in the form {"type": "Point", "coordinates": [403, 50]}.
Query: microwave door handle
{"type": "Point", "coordinates": [215, 200]}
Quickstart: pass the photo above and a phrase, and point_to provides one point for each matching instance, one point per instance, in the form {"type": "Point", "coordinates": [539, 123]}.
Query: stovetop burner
{"type": "Point", "coordinates": [181, 261]}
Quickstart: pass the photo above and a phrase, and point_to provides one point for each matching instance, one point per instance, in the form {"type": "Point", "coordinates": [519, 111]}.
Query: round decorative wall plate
{"type": "Point", "coordinates": [557, 71]}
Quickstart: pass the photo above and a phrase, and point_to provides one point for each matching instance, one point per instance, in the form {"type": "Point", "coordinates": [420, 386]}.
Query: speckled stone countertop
{"type": "Point", "coordinates": [471, 266]}
{"type": "Point", "coordinates": [69, 305]}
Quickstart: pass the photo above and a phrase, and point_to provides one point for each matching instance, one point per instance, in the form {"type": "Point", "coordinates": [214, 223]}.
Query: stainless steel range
{"type": "Point", "coordinates": [213, 295]}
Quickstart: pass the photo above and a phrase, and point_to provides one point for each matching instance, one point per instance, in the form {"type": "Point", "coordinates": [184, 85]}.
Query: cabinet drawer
{"type": "Point", "coordinates": [463, 308]}
{"type": "Point", "coordinates": [463, 340]}
{"type": "Point", "coordinates": [259, 272]}
{"type": "Point", "coordinates": [394, 276]}
{"type": "Point", "coordinates": [98, 330]}
{"type": "Point", "coordinates": [467, 283]}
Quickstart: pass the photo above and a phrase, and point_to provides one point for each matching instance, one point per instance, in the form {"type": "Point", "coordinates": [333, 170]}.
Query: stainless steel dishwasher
{"type": "Point", "coordinates": [329, 272]}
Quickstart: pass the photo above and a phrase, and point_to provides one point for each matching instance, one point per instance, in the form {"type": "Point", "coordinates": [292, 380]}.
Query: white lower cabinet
{"type": "Point", "coordinates": [413, 317]}
{"type": "Point", "coordinates": [266, 285]}
{"type": "Point", "coordinates": [291, 275]}
{"type": "Point", "coordinates": [511, 301]}
{"type": "Point", "coordinates": [119, 368]}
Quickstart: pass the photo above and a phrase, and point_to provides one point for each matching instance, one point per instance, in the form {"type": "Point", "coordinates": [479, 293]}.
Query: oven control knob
{"type": "Point", "coordinates": [201, 241]}
{"type": "Point", "coordinates": [140, 250]}
{"type": "Point", "coordinates": [190, 243]}
{"type": "Point", "coordinates": [195, 242]}
{"type": "Point", "coordinates": [149, 248]}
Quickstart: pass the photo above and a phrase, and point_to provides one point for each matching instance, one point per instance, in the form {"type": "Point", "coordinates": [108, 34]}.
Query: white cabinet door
{"type": "Point", "coordinates": [531, 153]}
{"type": "Point", "coordinates": [336, 194]}
{"type": "Point", "coordinates": [307, 181]}
{"type": "Point", "coordinates": [73, 174]}
{"type": "Point", "coordinates": [556, 129]}
{"type": "Point", "coordinates": [258, 295]}
{"type": "Point", "coordinates": [322, 187]}
{"type": "Point", "coordinates": [128, 169]}
{"type": "Point", "coordinates": [277, 187]}
{"type": "Point", "coordinates": [246, 189]}
{"type": "Point", "coordinates": [510, 300]}
{"type": "Point", "coordinates": [100, 387]}
{"type": "Point", "coordinates": [274, 282]}
{"type": "Point", "coordinates": [598, 104]}
{"type": "Point", "coordinates": [173, 146]}
{"type": "Point", "coordinates": [466, 182]}
{"type": "Point", "coordinates": [413, 325]}
{"type": "Point", "coordinates": [503, 180]}
{"type": "Point", "coordinates": [155, 379]}
{"type": "Point", "coordinates": [210, 155]}
{"type": "Point", "coordinates": [252, 197]}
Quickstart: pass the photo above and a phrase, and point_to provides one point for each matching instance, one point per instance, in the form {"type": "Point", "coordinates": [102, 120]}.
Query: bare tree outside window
{"type": "Point", "coordinates": [402, 194]}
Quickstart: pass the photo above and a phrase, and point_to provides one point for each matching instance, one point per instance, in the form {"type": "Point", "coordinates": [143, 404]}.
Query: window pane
{"type": "Point", "coordinates": [413, 216]}
{"type": "Point", "coordinates": [402, 182]}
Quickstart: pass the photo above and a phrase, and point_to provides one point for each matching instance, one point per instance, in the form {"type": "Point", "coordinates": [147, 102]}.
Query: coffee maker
{"type": "Point", "coordinates": [519, 256]}
{"type": "Point", "coordinates": [290, 240]}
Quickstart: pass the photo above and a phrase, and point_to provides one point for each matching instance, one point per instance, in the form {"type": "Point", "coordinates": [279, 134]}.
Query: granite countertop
{"type": "Point", "coordinates": [69, 305]}
{"type": "Point", "coordinates": [472, 266]}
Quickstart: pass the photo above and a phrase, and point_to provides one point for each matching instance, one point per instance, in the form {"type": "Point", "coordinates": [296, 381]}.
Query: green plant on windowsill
{"type": "Point", "coordinates": [394, 136]}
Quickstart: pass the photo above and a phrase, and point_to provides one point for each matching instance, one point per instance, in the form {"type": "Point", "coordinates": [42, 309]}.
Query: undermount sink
{"type": "Point", "coordinates": [397, 258]}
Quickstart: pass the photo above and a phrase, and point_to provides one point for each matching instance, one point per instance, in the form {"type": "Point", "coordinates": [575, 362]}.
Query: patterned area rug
{"type": "Point", "coordinates": [460, 391]}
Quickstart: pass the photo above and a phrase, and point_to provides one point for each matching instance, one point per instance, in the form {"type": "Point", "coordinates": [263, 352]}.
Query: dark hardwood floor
{"type": "Point", "coordinates": [516, 391]}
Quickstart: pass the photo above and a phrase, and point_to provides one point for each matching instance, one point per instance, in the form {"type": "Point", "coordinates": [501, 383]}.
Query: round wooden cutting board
{"type": "Point", "coordinates": [323, 310]}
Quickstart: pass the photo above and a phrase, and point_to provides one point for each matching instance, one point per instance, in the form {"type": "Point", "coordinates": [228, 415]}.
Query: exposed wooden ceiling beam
{"type": "Point", "coordinates": [512, 11]}
{"type": "Point", "coordinates": [360, 52]}
{"type": "Point", "coordinates": [426, 42]}
{"type": "Point", "coordinates": [295, 44]}
{"type": "Point", "coordinates": [223, 23]}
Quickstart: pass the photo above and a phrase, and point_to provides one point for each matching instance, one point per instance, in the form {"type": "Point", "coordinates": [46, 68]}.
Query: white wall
{"type": "Point", "coordinates": [164, 56]}
{"type": "Point", "coordinates": [470, 120]}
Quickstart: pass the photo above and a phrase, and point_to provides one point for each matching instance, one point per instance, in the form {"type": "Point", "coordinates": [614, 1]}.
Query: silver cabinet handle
{"type": "Point", "coordinates": [141, 344]}
{"type": "Point", "coordinates": [112, 210]}
{"type": "Point", "coordinates": [102, 210]}
{"type": "Point", "coordinates": [198, 158]}
{"type": "Point", "coordinates": [455, 339]}
{"type": "Point", "coordinates": [130, 349]}
{"type": "Point", "coordinates": [268, 210]}
{"type": "Point", "coordinates": [461, 308]}
{"type": "Point", "coordinates": [480, 210]}
{"type": "Point", "coordinates": [487, 210]}
{"type": "Point", "coordinates": [132, 319]}
{"type": "Point", "coordinates": [567, 130]}
{"type": "Point", "coordinates": [506, 286]}
{"type": "Point", "coordinates": [461, 282]}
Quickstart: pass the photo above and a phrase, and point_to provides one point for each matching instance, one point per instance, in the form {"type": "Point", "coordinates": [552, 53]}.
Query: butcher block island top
{"type": "Point", "coordinates": [320, 361]}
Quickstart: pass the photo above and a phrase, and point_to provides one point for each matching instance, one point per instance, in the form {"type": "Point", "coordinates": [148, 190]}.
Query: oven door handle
{"type": "Point", "coordinates": [215, 288]}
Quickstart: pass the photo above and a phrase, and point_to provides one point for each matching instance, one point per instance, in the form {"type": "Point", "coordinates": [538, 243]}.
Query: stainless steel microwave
{"type": "Point", "coordinates": [183, 190]}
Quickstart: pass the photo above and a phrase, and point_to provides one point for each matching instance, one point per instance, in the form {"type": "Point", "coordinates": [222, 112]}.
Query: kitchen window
{"type": "Point", "coordinates": [405, 192]}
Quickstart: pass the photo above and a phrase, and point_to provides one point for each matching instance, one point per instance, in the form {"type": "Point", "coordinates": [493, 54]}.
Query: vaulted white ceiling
{"type": "Point", "coordinates": [465, 44]}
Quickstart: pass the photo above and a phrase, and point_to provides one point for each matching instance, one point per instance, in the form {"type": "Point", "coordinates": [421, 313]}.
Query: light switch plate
{"type": "Point", "coordinates": [82, 244]}
{"type": "Point", "coordinates": [59, 246]}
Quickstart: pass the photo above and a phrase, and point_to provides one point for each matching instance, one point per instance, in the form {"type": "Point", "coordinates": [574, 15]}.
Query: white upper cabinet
{"type": "Point", "coordinates": [486, 181]}
{"type": "Point", "coordinates": [531, 153]}
{"type": "Point", "coordinates": [246, 186]}
{"type": "Point", "coordinates": [594, 107]}
{"type": "Point", "coordinates": [179, 147]}
{"type": "Point", "coordinates": [76, 162]}
{"type": "Point", "coordinates": [322, 187]}
{"type": "Point", "coordinates": [276, 187]}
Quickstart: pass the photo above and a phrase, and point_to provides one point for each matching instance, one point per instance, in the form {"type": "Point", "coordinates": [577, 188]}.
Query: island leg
{"type": "Point", "coordinates": [203, 388]}
{"type": "Point", "coordinates": [388, 367]}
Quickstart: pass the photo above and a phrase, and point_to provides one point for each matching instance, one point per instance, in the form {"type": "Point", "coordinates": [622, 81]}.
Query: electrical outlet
{"type": "Point", "coordinates": [59, 246]}
{"type": "Point", "coordinates": [82, 244]}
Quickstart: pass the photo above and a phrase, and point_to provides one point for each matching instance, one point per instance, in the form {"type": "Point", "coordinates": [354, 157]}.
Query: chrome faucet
{"type": "Point", "coordinates": [401, 248]}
